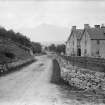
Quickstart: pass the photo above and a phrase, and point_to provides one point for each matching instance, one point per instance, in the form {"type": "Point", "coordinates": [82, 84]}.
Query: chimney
{"type": "Point", "coordinates": [103, 26]}
{"type": "Point", "coordinates": [97, 26]}
{"type": "Point", "coordinates": [86, 26]}
{"type": "Point", "coordinates": [73, 28]}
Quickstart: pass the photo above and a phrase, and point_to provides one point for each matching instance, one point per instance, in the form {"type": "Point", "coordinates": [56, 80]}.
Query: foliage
{"type": "Point", "coordinates": [36, 47]}
{"type": "Point", "coordinates": [16, 37]}
{"type": "Point", "coordinates": [52, 47]}
{"type": "Point", "coordinates": [20, 39]}
{"type": "Point", "coordinates": [60, 48]}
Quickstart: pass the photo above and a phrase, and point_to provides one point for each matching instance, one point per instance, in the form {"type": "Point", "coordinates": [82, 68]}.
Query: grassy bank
{"type": "Point", "coordinates": [14, 68]}
{"type": "Point", "coordinates": [94, 64]}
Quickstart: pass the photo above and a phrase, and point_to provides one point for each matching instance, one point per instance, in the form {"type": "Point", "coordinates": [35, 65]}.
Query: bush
{"type": "Point", "coordinates": [9, 55]}
{"type": "Point", "coordinates": [36, 47]}
{"type": "Point", "coordinates": [16, 37]}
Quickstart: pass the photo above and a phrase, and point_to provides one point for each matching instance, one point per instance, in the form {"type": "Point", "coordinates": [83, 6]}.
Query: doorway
{"type": "Point", "coordinates": [78, 52]}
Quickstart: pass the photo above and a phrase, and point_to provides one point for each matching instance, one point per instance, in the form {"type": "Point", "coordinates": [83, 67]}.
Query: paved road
{"type": "Point", "coordinates": [31, 86]}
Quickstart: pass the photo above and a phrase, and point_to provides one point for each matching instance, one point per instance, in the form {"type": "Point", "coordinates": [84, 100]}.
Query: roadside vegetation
{"type": "Point", "coordinates": [15, 46]}
{"type": "Point", "coordinates": [16, 50]}
{"type": "Point", "coordinates": [60, 49]}
{"type": "Point", "coordinates": [16, 37]}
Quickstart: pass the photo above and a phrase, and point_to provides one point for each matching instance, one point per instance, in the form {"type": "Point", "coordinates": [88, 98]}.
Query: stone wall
{"type": "Point", "coordinates": [4, 68]}
{"type": "Point", "coordinates": [81, 78]}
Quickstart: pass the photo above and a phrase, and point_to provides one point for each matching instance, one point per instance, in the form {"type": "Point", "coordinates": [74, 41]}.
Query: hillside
{"type": "Point", "coordinates": [10, 51]}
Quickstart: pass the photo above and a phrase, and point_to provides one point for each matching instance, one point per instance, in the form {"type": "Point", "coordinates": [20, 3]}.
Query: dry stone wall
{"type": "Point", "coordinates": [13, 65]}
{"type": "Point", "coordinates": [3, 68]}
{"type": "Point", "coordinates": [81, 78]}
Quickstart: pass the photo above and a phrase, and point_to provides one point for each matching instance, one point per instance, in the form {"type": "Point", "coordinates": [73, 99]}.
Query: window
{"type": "Point", "coordinates": [85, 51]}
{"type": "Point", "coordinates": [98, 41]}
{"type": "Point", "coordinates": [97, 52]}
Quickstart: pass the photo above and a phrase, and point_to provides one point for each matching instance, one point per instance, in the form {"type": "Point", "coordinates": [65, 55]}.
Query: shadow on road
{"type": "Point", "coordinates": [56, 78]}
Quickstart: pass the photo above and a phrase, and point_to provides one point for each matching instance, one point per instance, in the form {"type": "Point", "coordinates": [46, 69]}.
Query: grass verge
{"type": "Point", "coordinates": [17, 68]}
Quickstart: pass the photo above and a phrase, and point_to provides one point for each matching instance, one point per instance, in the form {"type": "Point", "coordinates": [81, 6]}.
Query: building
{"type": "Point", "coordinates": [73, 42]}
{"type": "Point", "coordinates": [93, 41]}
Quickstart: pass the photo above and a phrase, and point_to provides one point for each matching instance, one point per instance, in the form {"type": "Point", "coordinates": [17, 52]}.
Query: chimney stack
{"type": "Point", "coordinates": [103, 26]}
{"type": "Point", "coordinates": [97, 26]}
{"type": "Point", "coordinates": [86, 26]}
{"type": "Point", "coordinates": [73, 28]}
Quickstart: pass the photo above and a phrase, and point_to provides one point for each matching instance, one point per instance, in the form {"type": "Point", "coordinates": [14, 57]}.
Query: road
{"type": "Point", "coordinates": [31, 86]}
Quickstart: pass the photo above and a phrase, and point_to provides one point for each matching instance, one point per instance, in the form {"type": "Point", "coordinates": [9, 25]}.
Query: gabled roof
{"type": "Point", "coordinates": [77, 32]}
{"type": "Point", "coordinates": [69, 36]}
{"type": "Point", "coordinates": [96, 33]}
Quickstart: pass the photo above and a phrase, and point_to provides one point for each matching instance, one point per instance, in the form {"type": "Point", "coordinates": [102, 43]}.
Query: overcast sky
{"type": "Point", "coordinates": [24, 14]}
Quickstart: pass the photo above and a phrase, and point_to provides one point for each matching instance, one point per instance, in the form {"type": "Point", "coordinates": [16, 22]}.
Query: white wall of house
{"type": "Point", "coordinates": [98, 47]}
{"type": "Point", "coordinates": [89, 47]}
{"type": "Point", "coordinates": [95, 51]}
{"type": "Point", "coordinates": [71, 46]}
{"type": "Point", "coordinates": [67, 48]}
{"type": "Point", "coordinates": [102, 48]}
{"type": "Point", "coordinates": [85, 45]}
{"type": "Point", "coordinates": [94, 48]}
{"type": "Point", "coordinates": [75, 44]}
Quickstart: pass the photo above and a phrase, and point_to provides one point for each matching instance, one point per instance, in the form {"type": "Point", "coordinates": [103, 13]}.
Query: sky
{"type": "Point", "coordinates": [25, 15]}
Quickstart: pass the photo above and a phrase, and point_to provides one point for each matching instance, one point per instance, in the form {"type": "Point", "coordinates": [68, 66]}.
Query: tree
{"type": "Point", "coordinates": [16, 37]}
{"type": "Point", "coordinates": [23, 40]}
{"type": "Point", "coordinates": [60, 48]}
{"type": "Point", "coordinates": [52, 47]}
{"type": "Point", "coordinates": [36, 47]}
{"type": "Point", "coordinates": [3, 32]}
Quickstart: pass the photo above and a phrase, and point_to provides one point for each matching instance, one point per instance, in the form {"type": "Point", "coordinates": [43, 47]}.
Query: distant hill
{"type": "Point", "coordinates": [47, 33]}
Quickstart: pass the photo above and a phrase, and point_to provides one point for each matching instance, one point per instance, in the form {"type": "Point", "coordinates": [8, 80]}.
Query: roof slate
{"type": "Point", "coordinates": [96, 33]}
{"type": "Point", "coordinates": [77, 32]}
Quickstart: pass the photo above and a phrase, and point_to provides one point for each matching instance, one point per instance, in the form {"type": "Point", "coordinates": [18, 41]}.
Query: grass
{"type": "Point", "coordinates": [9, 52]}
{"type": "Point", "coordinates": [94, 64]}
{"type": "Point", "coordinates": [17, 68]}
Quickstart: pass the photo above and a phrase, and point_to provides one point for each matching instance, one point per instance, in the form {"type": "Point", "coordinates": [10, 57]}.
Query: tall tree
{"type": "Point", "coordinates": [52, 47]}
{"type": "Point", "coordinates": [60, 48]}
{"type": "Point", "coordinates": [37, 48]}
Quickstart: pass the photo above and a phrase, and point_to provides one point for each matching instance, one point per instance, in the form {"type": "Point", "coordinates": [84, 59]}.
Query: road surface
{"type": "Point", "coordinates": [31, 86]}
